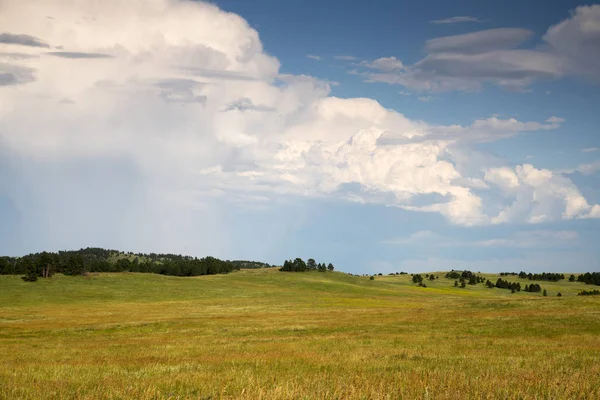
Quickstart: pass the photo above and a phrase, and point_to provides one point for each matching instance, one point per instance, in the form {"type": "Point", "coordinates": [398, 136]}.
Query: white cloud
{"type": "Point", "coordinates": [590, 149]}
{"type": "Point", "coordinates": [537, 195]}
{"type": "Point", "coordinates": [479, 42]}
{"type": "Point", "coordinates": [456, 20]}
{"type": "Point", "coordinates": [469, 61]}
{"type": "Point", "coordinates": [385, 64]}
{"type": "Point", "coordinates": [318, 58]}
{"type": "Point", "coordinates": [585, 169]}
{"type": "Point", "coordinates": [576, 40]}
{"type": "Point", "coordinates": [504, 178]}
{"type": "Point", "coordinates": [188, 107]}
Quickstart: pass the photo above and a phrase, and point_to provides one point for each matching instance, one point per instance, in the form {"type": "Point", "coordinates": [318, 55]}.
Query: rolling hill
{"type": "Point", "coordinates": [265, 334]}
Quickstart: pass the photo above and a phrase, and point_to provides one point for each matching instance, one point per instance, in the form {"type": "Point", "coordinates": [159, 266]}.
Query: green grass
{"type": "Point", "coordinates": [264, 334]}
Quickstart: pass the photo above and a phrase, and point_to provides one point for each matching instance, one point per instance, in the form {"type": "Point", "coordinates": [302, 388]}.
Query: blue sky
{"type": "Point", "coordinates": [388, 137]}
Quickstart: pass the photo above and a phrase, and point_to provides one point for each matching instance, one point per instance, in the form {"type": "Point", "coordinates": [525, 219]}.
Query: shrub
{"type": "Point", "coordinates": [589, 293]}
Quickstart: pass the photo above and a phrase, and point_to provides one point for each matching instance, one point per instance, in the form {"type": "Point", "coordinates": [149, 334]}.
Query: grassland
{"type": "Point", "coordinates": [264, 334]}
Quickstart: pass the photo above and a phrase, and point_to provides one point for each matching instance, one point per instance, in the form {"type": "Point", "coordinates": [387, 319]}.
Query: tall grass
{"type": "Point", "coordinates": [263, 334]}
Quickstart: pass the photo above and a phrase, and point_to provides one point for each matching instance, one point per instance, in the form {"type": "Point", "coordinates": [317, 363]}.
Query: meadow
{"type": "Point", "coordinates": [265, 334]}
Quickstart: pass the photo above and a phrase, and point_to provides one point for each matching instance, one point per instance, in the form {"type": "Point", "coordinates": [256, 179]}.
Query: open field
{"type": "Point", "coordinates": [264, 334]}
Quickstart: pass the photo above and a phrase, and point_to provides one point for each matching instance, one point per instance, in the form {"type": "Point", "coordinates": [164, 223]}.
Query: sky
{"type": "Point", "coordinates": [379, 136]}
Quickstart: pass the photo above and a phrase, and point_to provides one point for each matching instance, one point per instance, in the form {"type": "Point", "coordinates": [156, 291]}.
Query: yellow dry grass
{"type": "Point", "coordinates": [263, 334]}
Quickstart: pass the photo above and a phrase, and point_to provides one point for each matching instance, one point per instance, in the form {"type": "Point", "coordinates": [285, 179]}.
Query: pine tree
{"type": "Point", "coordinates": [31, 268]}
{"type": "Point", "coordinates": [330, 267]}
{"type": "Point", "coordinates": [299, 265]}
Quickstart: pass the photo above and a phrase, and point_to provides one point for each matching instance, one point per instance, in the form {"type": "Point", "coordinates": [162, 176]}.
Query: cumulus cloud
{"type": "Point", "coordinates": [189, 112]}
{"type": "Point", "coordinates": [469, 61]}
{"type": "Point", "coordinates": [537, 195]}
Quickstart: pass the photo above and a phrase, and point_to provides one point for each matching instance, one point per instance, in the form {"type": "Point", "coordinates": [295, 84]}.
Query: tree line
{"type": "Point", "coordinates": [544, 276]}
{"type": "Point", "coordinates": [298, 265]}
{"type": "Point", "coordinates": [79, 262]}
{"type": "Point", "coordinates": [589, 293]}
{"type": "Point", "coordinates": [468, 277]}
{"type": "Point", "coordinates": [502, 284]}
{"type": "Point", "coordinates": [588, 278]}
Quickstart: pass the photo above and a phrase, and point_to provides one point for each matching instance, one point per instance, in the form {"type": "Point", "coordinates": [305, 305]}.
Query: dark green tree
{"type": "Point", "coordinates": [330, 267]}
{"type": "Point", "coordinates": [75, 265]}
{"type": "Point", "coordinates": [44, 264]}
{"type": "Point", "coordinates": [299, 265]}
{"type": "Point", "coordinates": [311, 264]}
{"type": "Point", "coordinates": [31, 268]}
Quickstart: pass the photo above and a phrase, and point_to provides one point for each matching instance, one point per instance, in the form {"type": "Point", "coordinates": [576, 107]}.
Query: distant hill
{"type": "Point", "coordinates": [95, 259]}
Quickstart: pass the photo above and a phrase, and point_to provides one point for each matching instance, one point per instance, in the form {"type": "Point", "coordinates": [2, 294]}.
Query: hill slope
{"type": "Point", "coordinates": [269, 334]}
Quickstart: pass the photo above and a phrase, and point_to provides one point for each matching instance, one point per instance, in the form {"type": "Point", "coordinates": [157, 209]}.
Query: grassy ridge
{"type": "Point", "coordinates": [272, 335]}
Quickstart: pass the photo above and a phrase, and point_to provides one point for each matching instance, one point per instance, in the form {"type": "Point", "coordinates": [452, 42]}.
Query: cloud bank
{"type": "Point", "coordinates": [467, 62]}
{"type": "Point", "coordinates": [151, 113]}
